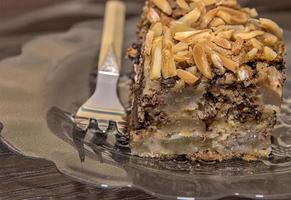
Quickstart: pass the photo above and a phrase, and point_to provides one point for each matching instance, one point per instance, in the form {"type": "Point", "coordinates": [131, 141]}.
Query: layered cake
{"type": "Point", "coordinates": [208, 82]}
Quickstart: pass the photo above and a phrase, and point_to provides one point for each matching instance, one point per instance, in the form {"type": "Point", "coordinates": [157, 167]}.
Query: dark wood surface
{"type": "Point", "coordinates": [26, 178]}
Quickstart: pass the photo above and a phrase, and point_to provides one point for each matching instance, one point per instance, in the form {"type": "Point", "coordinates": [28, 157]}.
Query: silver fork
{"type": "Point", "coordinates": [104, 105]}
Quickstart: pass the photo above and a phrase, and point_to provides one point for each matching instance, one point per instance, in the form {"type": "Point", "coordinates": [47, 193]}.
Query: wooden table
{"type": "Point", "coordinates": [26, 178]}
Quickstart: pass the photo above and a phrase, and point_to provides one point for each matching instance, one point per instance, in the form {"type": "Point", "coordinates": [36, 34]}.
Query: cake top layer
{"type": "Point", "coordinates": [198, 40]}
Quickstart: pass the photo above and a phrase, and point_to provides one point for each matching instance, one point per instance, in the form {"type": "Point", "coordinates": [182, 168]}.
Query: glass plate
{"type": "Point", "coordinates": [54, 75]}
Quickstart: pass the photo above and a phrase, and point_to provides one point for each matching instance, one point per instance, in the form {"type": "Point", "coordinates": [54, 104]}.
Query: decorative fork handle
{"type": "Point", "coordinates": [112, 39]}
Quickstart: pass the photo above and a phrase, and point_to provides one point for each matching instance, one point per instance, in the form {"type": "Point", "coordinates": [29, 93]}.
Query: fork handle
{"type": "Point", "coordinates": [112, 38]}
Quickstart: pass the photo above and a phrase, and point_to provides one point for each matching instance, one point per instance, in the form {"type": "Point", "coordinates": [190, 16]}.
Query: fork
{"type": "Point", "coordinates": [104, 105]}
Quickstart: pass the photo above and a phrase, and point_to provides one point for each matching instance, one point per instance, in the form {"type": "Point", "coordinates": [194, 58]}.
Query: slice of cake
{"type": "Point", "coordinates": [208, 81]}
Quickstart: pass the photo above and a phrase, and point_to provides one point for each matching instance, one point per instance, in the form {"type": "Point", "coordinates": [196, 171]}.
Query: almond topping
{"type": "Point", "coordinates": [169, 65]}
{"type": "Point", "coordinates": [167, 37]}
{"type": "Point", "coordinates": [249, 35]}
{"type": "Point", "coordinates": [184, 35]}
{"type": "Point", "coordinates": [216, 60]}
{"type": "Point", "coordinates": [157, 28]}
{"type": "Point", "coordinates": [187, 77]}
{"type": "Point", "coordinates": [180, 47]}
{"type": "Point", "coordinates": [164, 5]}
{"type": "Point", "coordinates": [191, 17]}
{"type": "Point", "coordinates": [182, 56]}
{"type": "Point", "coordinates": [226, 34]}
{"type": "Point", "coordinates": [200, 59]}
{"type": "Point", "coordinates": [269, 39]}
{"type": "Point", "coordinates": [156, 59]}
{"type": "Point", "coordinates": [237, 46]}
{"type": "Point", "coordinates": [252, 12]}
{"type": "Point", "coordinates": [232, 16]}
{"type": "Point", "coordinates": [256, 43]}
{"type": "Point", "coordinates": [222, 42]}
{"type": "Point", "coordinates": [177, 26]}
{"type": "Point", "coordinates": [149, 42]}
{"type": "Point", "coordinates": [217, 22]}
{"type": "Point", "coordinates": [183, 4]}
{"type": "Point", "coordinates": [252, 54]}
{"type": "Point", "coordinates": [269, 54]}
{"type": "Point", "coordinates": [199, 37]}
{"type": "Point", "coordinates": [208, 17]}
{"type": "Point", "coordinates": [153, 16]}
{"type": "Point", "coordinates": [229, 63]}
{"type": "Point", "coordinates": [272, 27]}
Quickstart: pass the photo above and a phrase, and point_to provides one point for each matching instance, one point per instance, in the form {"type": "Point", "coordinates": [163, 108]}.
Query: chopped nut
{"type": "Point", "coordinates": [244, 73]}
{"type": "Point", "coordinates": [251, 54]}
{"type": "Point", "coordinates": [208, 17]}
{"type": "Point", "coordinates": [169, 65]}
{"type": "Point", "coordinates": [157, 28]}
{"type": "Point", "coordinates": [256, 43]}
{"type": "Point", "coordinates": [167, 37]}
{"type": "Point", "coordinates": [177, 26]}
{"type": "Point", "coordinates": [269, 39]}
{"type": "Point", "coordinates": [248, 35]}
{"type": "Point", "coordinates": [192, 70]}
{"type": "Point", "coordinates": [275, 81]}
{"type": "Point", "coordinates": [180, 47]}
{"type": "Point", "coordinates": [132, 52]}
{"type": "Point", "coordinates": [183, 4]}
{"type": "Point", "coordinates": [164, 5]}
{"type": "Point", "coordinates": [269, 54]}
{"type": "Point", "coordinates": [237, 46]}
{"type": "Point", "coordinates": [184, 35]}
{"type": "Point", "coordinates": [191, 17]}
{"type": "Point", "coordinates": [271, 26]}
{"type": "Point", "coordinates": [149, 42]}
{"type": "Point", "coordinates": [187, 77]}
{"type": "Point", "coordinates": [229, 3]}
{"type": "Point", "coordinates": [156, 59]}
{"type": "Point", "coordinates": [226, 34]}
{"type": "Point", "coordinates": [252, 12]}
{"type": "Point", "coordinates": [229, 63]}
{"type": "Point", "coordinates": [232, 16]}
{"type": "Point", "coordinates": [200, 59]}
{"type": "Point", "coordinates": [153, 16]}
{"type": "Point", "coordinates": [216, 60]}
{"type": "Point", "coordinates": [217, 22]}
{"type": "Point", "coordinates": [210, 47]}
{"type": "Point", "coordinates": [222, 42]}
{"type": "Point", "coordinates": [204, 35]}
{"type": "Point", "coordinates": [182, 56]}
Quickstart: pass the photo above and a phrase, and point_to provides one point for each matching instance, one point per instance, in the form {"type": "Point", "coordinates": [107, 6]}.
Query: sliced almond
{"type": "Point", "coordinates": [153, 16]}
{"type": "Point", "coordinates": [269, 39]}
{"type": "Point", "coordinates": [229, 63]}
{"type": "Point", "coordinates": [157, 28]}
{"type": "Point", "coordinates": [255, 43]}
{"type": "Point", "coordinates": [183, 4]}
{"type": "Point", "coordinates": [208, 17]}
{"type": "Point", "coordinates": [149, 42]}
{"type": "Point", "coordinates": [217, 22]}
{"type": "Point", "coordinates": [169, 65]}
{"type": "Point", "coordinates": [163, 5]}
{"type": "Point", "coordinates": [251, 54]}
{"type": "Point", "coordinates": [167, 37]}
{"type": "Point", "coordinates": [180, 36]}
{"type": "Point", "coordinates": [224, 43]}
{"type": "Point", "coordinates": [204, 35]}
{"type": "Point", "coordinates": [226, 34]}
{"type": "Point", "coordinates": [216, 60]}
{"type": "Point", "coordinates": [232, 16]}
{"type": "Point", "coordinates": [156, 59]}
{"type": "Point", "coordinates": [269, 54]}
{"type": "Point", "coordinates": [191, 17]}
{"type": "Point", "coordinates": [248, 35]}
{"type": "Point", "coordinates": [200, 59]}
{"type": "Point", "coordinates": [187, 77]}
{"type": "Point", "coordinates": [228, 3]}
{"type": "Point", "coordinates": [182, 56]}
{"type": "Point", "coordinates": [192, 70]}
{"type": "Point", "coordinates": [237, 46]}
{"type": "Point", "coordinates": [177, 26]}
{"type": "Point", "coordinates": [181, 46]}
{"type": "Point", "coordinates": [271, 26]}
{"type": "Point", "coordinates": [251, 11]}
